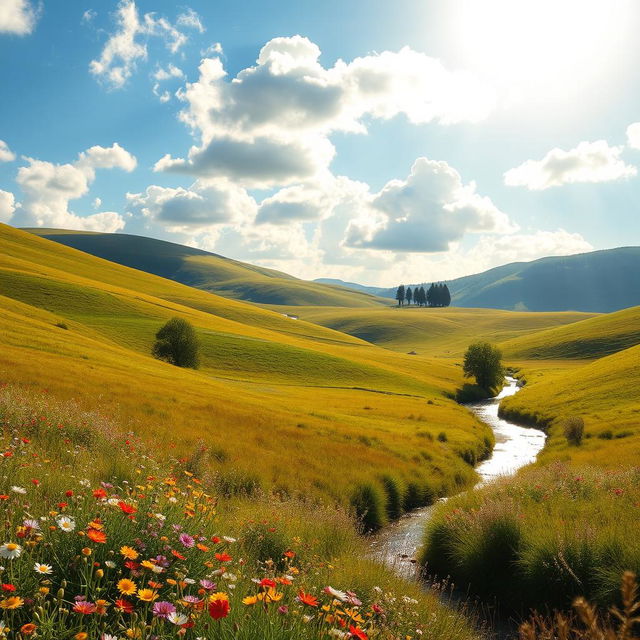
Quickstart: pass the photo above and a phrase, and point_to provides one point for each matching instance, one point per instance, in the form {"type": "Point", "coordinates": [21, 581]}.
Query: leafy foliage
{"type": "Point", "coordinates": [177, 343]}
{"type": "Point", "coordinates": [483, 361]}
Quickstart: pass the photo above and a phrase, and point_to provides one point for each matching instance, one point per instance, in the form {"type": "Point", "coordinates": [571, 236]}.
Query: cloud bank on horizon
{"type": "Point", "coordinates": [260, 147]}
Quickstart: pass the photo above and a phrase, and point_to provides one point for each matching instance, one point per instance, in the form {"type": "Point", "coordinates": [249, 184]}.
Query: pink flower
{"type": "Point", "coordinates": [187, 540]}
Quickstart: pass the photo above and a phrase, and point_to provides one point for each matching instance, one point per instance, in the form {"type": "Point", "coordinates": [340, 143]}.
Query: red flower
{"type": "Point", "coordinates": [62, 505]}
{"type": "Point", "coordinates": [25, 440]}
{"type": "Point", "coordinates": [8, 587]}
{"type": "Point", "coordinates": [68, 493]}
{"type": "Point", "coordinates": [267, 583]}
{"type": "Point", "coordinates": [97, 536]}
{"type": "Point", "coordinates": [307, 598]}
{"type": "Point", "coordinates": [7, 454]}
{"type": "Point", "coordinates": [289, 554]}
{"type": "Point", "coordinates": [219, 609]}
{"type": "Point", "coordinates": [126, 508]}
{"type": "Point", "coordinates": [35, 481]}
{"type": "Point", "coordinates": [356, 632]}
{"type": "Point", "coordinates": [124, 605]}
{"type": "Point", "coordinates": [4, 496]}
{"type": "Point", "coordinates": [223, 557]}
{"type": "Point", "coordinates": [215, 539]}
{"type": "Point", "coordinates": [132, 565]}
{"type": "Point", "coordinates": [85, 608]}
{"type": "Point", "coordinates": [99, 493]}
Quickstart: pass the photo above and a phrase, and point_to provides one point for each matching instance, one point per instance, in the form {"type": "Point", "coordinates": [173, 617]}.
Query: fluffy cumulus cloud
{"type": "Point", "coordinates": [201, 208]}
{"type": "Point", "coordinates": [6, 155]}
{"type": "Point", "coordinates": [127, 45]}
{"type": "Point", "coordinates": [48, 188]}
{"type": "Point", "coordinates": [7, 205]}
{"type": "Point", "coordinates": [18, 17]}
{"type": "Point", "coordinates": [425, 213]}
{"type": "Point", "coordinates": [588, 162]}
{"type": "Point", "coordinates": [270, 125]}
{"type": "Point", "coordinates": [633, 135]}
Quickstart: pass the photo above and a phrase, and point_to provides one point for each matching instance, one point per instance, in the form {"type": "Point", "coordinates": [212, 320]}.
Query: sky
{"type": "Point", "coordinates": [371, 141]}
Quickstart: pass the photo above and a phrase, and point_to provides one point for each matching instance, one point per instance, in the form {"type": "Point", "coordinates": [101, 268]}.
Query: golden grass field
{"type": "Point", "coordinates": [299, 407]}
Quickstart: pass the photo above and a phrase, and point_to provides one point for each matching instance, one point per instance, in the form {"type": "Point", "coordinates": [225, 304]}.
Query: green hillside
{"type": "Point", "coordinates": [599, 281]}
{"type": "Point", "coordinates": [270, 389]}
{"type": "Point", "coordinates": [591, 338]}
{"type": "Point", "coordinates": [207, 271]}
{"type": "Point", "coordinates": [438, 331]}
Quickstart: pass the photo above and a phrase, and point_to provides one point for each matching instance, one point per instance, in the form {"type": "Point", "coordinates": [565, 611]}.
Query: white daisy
{"type": "Point", "coordinates": [18, 490]}
{"type": "Point", "coordinates": [66, 523]}
{"type": "Point", "coordinates": [177, 618]}
{"type": "Point", "coordinates": [10, 550]}
{"type": "Point", "coordinates": [44, 569]}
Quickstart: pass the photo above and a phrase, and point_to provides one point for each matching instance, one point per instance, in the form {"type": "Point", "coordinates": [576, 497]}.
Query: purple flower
{"type": "Point", "coordinates": [283, 610]}
{"type": "Point", "coordinates": [162, 561]}
{"type": "Point", "coordinates": [162, 609]}
{"type": "Point", "coordinates": [187, 540]}
{"type": "Point", "coordinates": [207, 584]}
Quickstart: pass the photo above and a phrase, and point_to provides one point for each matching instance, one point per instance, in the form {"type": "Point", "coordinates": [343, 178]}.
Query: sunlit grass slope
{"type": "Point", "coordinates": [431, 332]}
{"type": "Point", "coordinates": [590, 338]}
{"type": "Point", "coordinates": [284, 403]}
{"type": "Point", "coordinates": [605, 393]}
{"type": "Point", "coordinates": [208, 271]}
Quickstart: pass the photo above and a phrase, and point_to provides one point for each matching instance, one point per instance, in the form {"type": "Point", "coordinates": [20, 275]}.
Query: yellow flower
{"type": "Point", "coordinates": [99, 573]}
{"type": "Point", "coordinates": [44, 590]}
{"type": "Point", "coordinates": [249, 600]}
{"type": "Point", "coordinates": [147, 564]}
{"type": "Point", "coordinates": [219, 595]}
{"type": "Point", "coordinates": [86, 551]}
{"type": "Point", "coordinates": [14, 602]}
{"type": "Point", "coordinates": [127, 587]}
{"type": "Point", "coordinates": [147, 595]}
{"type": "Point", "coordinates": [271, 595]}
{"type": "Point", "coordinates": [129, 553]}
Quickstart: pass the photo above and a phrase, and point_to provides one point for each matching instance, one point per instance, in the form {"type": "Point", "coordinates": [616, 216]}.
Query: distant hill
{"type": "Point", "coordinates": [374, 291]}
{"type": "Point", "coordinates": [599, 281]}
{"type": "Point", "coordinates": [208, 271]}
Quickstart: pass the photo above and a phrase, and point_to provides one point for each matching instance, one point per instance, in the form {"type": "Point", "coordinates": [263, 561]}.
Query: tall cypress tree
{"type": "Point", "coordinates": [431, 296]}
{"type": "Point", "coordinates": [408, 295]}
{"type": "Point", "coordinates": [400, 295]}
{"type": "Point", "coordinates": [446, 296]}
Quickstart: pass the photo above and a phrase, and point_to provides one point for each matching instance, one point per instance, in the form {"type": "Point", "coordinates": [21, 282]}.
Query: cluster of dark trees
{"type": "Point", "coordinates": [437, 295]}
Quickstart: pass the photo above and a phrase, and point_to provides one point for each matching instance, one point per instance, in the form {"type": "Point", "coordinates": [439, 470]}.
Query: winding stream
{"type": "Point", "coordinates": [396, 545]}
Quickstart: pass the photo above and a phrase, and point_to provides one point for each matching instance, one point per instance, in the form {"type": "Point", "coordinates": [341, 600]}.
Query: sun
{"type": "Point", "coordinates": [525, 47]}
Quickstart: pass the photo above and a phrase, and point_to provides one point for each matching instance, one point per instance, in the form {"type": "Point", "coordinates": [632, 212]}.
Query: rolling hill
{"type": "Point", "coordinates": [283, 403]}
{"type": "Point", "coordinates": [207, 271]}
{"type": "Point", "coordinates": [598, 281]}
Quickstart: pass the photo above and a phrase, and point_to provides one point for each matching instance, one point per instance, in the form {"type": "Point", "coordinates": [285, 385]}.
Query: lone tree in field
{"type": "Point", "coordinates": [483, 361]}
{"type": "Point", "coordinates": [176, 342]}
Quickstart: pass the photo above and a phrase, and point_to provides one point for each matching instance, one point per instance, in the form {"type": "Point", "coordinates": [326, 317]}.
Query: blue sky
{"type": "Point", "coordinates": [370, 141]}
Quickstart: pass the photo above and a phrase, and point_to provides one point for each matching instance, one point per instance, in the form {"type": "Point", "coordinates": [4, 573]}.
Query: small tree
{"type": "Point", "coordinates": [408, 295]}
{"type": "Point", "coordinates": [483, 361]}
{"type": "Point", "coordinates": [400, 295]}
{"type": "Point", "coordinates": [176, 342]}
{"type": "Point", "coordinates": [574, 430]}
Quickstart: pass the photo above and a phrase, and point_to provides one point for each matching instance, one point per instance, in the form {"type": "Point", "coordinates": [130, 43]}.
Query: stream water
{"type": "Point", "coordinates": [397, 544]}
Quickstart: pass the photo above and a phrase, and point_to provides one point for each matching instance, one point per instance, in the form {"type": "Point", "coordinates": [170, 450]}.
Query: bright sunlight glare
{"type": "Point", "coordinates": [525, 47]}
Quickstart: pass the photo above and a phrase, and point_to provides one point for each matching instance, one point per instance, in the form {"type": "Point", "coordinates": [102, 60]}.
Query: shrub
{"type": "Point", "coordinates": [442, 437]}
{"type": "Point", "coordinates": [574, 430]}
{"type": "Point", "coordinates": [607, 434]}
{"type": "Point", "coordinates": [176, 342]}
{"type": "Point", "coordinates": [394, 497]}
{"type": "Point", "coordinates": [62, 325]}
{"type": "Point", "coordinates": [368, 503]}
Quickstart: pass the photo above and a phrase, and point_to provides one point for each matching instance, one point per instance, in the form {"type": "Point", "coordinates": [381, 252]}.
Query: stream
{"type": "Point", "coordinates": [397, 544]}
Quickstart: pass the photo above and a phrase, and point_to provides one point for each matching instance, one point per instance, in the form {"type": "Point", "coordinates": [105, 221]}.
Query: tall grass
{"type": "Point", "coordinates": [58, 460]}
{"type": "Point", "coordinates": [542, 538]}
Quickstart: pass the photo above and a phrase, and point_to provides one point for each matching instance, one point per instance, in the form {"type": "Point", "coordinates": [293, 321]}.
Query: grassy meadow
{"type": "Point", "coordinates": [104, 539]}
{"type": "Point", "coordinates": [270, 393]}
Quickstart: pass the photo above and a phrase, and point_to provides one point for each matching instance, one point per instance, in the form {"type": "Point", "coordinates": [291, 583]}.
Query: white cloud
{"type": "Point", "coordinates": [97, 203]}
{"type": "Point", "coordinates": [7, 205]}
{"type": "Point", "coordinates": [113, 157]}
{"type": "Point", "coordinates": [203, 206]}
{"type": "Point", "coordinates": [281, 111]}
{"type": "Point", "coordinates": [6, 155]}
{"type": "Point", "coordinates": [191, 20]}
{"type": "Point", "coordinates": [48, 188]}
{"type": "Point", "coordinates": [161, 74]}
{"type": "Point", "coordinates": [18, 17]}
{"type": "Point", "coordinates": [127, 45]}
{"type": "Point", "coordinates": [588, 162]}
{"type": "Point", "coordinates": [425, 213]}
{"type": "Point", "coordinates": [633, 135]}
{"type": "Point", "coordinates": [89, 15]}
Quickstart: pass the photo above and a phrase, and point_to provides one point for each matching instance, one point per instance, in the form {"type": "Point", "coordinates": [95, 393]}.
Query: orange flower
{"type": "Point", "coordinates": [126, 508]}
{"type": "Point", "coordinates": [28, 629]}
{"type": "Point", "coordinates": [124, 605]}
{"type": "Point", "coordinates": [289, 554]}
{"type": "Point", "coordinates": [202, 547]}
{"type": "Point", "coordinates": [356, 632]}
{"type": "Point", "coordinates": [223, 557]}
{"type": "Point", "coordinates": [97, 536]}
{"type": "Point", "coordinates": [307, 598]}
{"type": "Point", "coordinates": [128, 552]}
{"type": "Point", "coordinates": [99, 493]}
